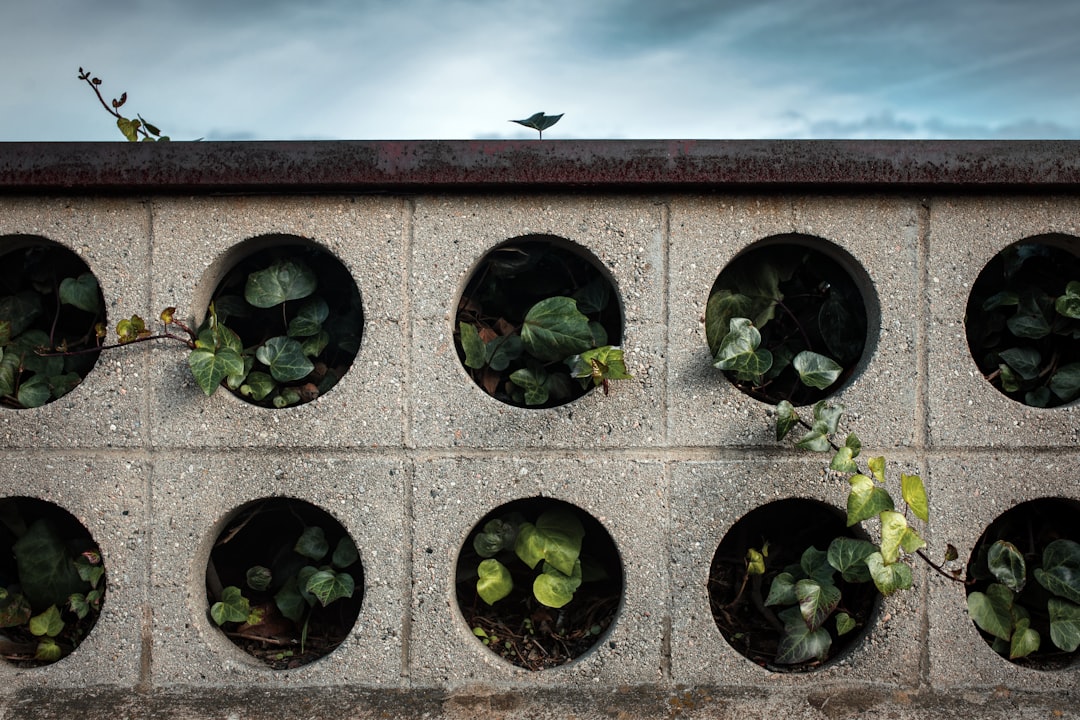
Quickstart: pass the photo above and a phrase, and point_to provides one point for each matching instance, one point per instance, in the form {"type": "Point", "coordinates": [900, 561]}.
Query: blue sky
{"type": "Point", "coordinates": [618, 69]}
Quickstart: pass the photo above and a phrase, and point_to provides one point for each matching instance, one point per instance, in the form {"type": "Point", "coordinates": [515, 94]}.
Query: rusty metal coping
{"type": "Point", "coordinates": [492, 165]}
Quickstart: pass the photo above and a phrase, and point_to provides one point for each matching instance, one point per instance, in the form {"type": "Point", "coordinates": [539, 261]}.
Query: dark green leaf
{"type": "Point", "coordinates": [1029, 320]}
{"type": "Point", "coordinates": [816, 370]}
{"type": "Point", "coordinates": [1065, 383]}
{"type": "Point", "coordinates": [345, 554]}
{"type": "Point", "coordinates": [1060, 571]}
{"type": "Point", "coordinates": [233, 606]}
{"type": "Point", "coordinates": [1064, 624]}
{"type": "Point", "coordinates": [312, 543]}
{"type": "Point", "coordinates": [472, 345]}
{"type": "Point", "coordinates": [739, 351]}
{"type": "Point", "coordinates": [843, 332]}
{"type": "Point", "coordinates": [844, 623]}
{"type": "Point", "coordinates": [257, 385]}
{"type": "Point", "coordinates": [309, 318]}
{"type": "Point", "coordinates": [799, 643]}
{"type": "Point", "coordinates": [992, 610]}
{"type": "Point", "coordinates": [285, 358]}
{"type": "Point", "coordinates": [328, 586]}
{"type": "Point", "coordinates": [258, 577]}
{"type": "Point", "coordinates": [815, 565]}
{"type": "Point", "coordinates": [282, 281]}
{"type": "Point", "coordinates": [1069, 303]}
{"type": "Point", "coordinates": [20, 311]}
{"type": "Point", "coordinates": [554, 329]}
{"type": "Point", "coordinates": [290, 601]}
{"type": "Point", "coordinates": [722, 308]}
{"type": "Point", "coordinates": [34, 392]}
{"type": "Point", "coordinates": [888, 577]}
{"type": "Point", "coordinates": [594, 296]}
{"type": "Point", "coordinates": [848, 555]}
{"type": "Point", "coordinates": [503, 350]}
{"type": "Point", "coordinates": [209, 367]}
{"type": "Point", "coordinates": [786, 418]}
{"type": "Point", "coordinates": [534, 383]}
{"type": "Point", "coordinates": [782, 590]}
{"type": "Point", "coordinates": [1007, 564]}
{"type": "Point", "coordinates": [81, 292]}
{"type": "Point", "coordinates": [1025, 362]}
{"type": "Point", "coordinates": [816, 601]}
{"type": "Point", "coordinates": [539, 121]}
{"type": "Point", "coordinates": [47, 573]}
{"type": "Point", "coordinates": [314, 345]}
{"type": "Point", "coordinates": [1004, 298]}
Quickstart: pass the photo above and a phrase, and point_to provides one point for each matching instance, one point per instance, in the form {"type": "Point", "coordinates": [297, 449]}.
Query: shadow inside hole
{"type": "Point", "coordinates": [286, 581]}
{"type": "Point", "coordinates": [738, 600]}
{"type": "Point", "coordinates": [519, 628]}
{"type": "Point", "coordinates": [798, 298]}
{"type": "Point", "coordinates": [509, 281]}
{"type": "Point", "coordinates": [1023, 321]}
{"type": "Point", "coordinates": [52, 578]}
{"type": "Point", "coordinates": [299, 347]}
{"type": "Point", "coordinates": [49, 300]}
{"type": "Point", "coordinates": [1030, 527]}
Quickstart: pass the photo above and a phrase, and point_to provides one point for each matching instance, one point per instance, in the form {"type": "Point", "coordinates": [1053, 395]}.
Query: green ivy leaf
{"type": "Point", "coordinates": [502, 351]}
{"type": "Point", "coordinates": [312, 543]}
{"type": "Point", "coordinates": [48, 651]}
{"type": "Point", "coordinates": [914, 494]}
{"type": "Point", "coordinates": [34, 392]}
{"type": "Point", "coordinates": [46, 571]}
{"type": "Point", "coordinates": [290, 601]}
{"type": "Point", "coordinates": [497, 535]}
{"type": "Point", "coordinates": [48, 623]}
{"type": "Point", "coordinates": [895, 534]}
{"type": "Point", "coordinates": [285, 358]}
{"type": "Point", "coordinates": [283, 281]}
{"type": "Point", "coordinates": [495, 581]}
{"type": "Point", "coordinates": [129, 128]}
{"type": "Point", "coordinates": [1024, 640]}
{"type": "Point", "coordinates": [554, 329]}
{"type": "Point", "coordinates": [844, 623]}
{"type": "Point", "coordinates": [815, 565]}
{"type": "Point", "coordinates": [842, 461]}
{"type": "Point", "coordinates": [739, 352]}
{"type": "Point", "coordinates": [556, 537]}
{"type": "Point", "coordinates": [210, 367]}
{"type": "Point", "coordinates": [309, 318]}
{"type": "Point", "coordinates": [786, 418]}
{"type": "Point", "coordinates": [1005, 298]}
{"type": "Point", "coordinates": [20, 311]}
{"type": "Point", "coordinates": [755, 560]}
{"type": "Point", "coordinates": [888, 577]}
{"type": "Point", "coordinates": [1025, 362]}
{"type": "Point", "coordinates": [534, 383]}
{"type": "Point", "coordinates": [1007, 565]}
{"type": "Point", "coordinates": [992, 610]}
{"type": "Point", "coordinates": [848, 555]}
{"type": "Point", "coordinates": [539, 121]}
{"type": "Point", "coordinates": [314, 345]}
{"type": "Point", "coordinates": [782, 590]}
{"type": "Point", "coordinates": [799, 643]}
{"type": "Point", "coordinates": [866, 500]}
{"type": "Point", "coordinates": [1060, 571]}
{"type": "Point", "coordinates": [816, 371]}
{"type": "Point", "coordinates": [328, 586]}
{"type": "Point", "coordinates": [1069, 303]}
{"type": "Point", "coordinates": [233, 606]}
{"type": "Point", "coordinates": [472, 345]}
{"type": "Point", "coordinates": [827, 416]}
{"type": "Point", "coordinates": [722, 308]}
{"type": "Point", "coordinates": [345, 554]}
{"type": "Point", "coordinates": [599, 364]}
{"type": "Point", "coordinates": [816, 601]}
{"type": "Point", "coordinates": [81, 292]}
{"type": "Point", "coordinates": [852, 441]}
{"type": "Point", "coordinates": [877, 467]}
{"type": "Point", "coordinates": [1065, 383]}
{"type": "Point", "coordinates": [258, 578]}
{"type": "Point", "coordinates": [257, 385]}
{"type": "Point", "coordinates": [1064, 624]}
{"type": "Point", "coordinates": [1029, 320]}
{"type": "Point", "coordinates": [554, 588]}
{"type": "Point", "coordinates": [594, 296]}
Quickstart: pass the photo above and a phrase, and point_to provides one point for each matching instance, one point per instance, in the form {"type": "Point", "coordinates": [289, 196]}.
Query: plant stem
{"type": "Point", "coordinates": [938, 569]}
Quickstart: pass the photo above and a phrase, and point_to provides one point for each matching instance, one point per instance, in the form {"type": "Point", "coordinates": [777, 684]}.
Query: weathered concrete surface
{"type": "Point", "coordinates": [408, 454]}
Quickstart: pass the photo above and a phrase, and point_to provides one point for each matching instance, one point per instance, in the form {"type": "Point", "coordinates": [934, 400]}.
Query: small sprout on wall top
{"type": "Point", "coordinates": [539, 122]}
{"type": "Point", "coordinates": [131, 128]}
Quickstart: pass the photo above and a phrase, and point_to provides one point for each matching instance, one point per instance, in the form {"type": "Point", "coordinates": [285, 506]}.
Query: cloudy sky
{"type": "Point", "coordinates": [460, 69]}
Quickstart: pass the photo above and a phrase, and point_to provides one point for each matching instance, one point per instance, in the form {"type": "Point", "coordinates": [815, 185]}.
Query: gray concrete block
{"type": "Point", "coordinates": [451, 235]}
{"type": "Point", "coordinates": [112, 238]}
{"type": "Point", "coordinates": [707, 499]}
{"type": "Point", "coordinates": [968, 492]}
{"type": "Point", "coordinates": [451, 495]}
{"type": "Point", "coordinates": [197, 244]}
{"type": "Point", "coordinates": [880, 234]}
{"type": "Point", "coordinates": [192, 501]}
{"type": "Point", "coordinates": [963, 408]}
{"type": "Point", "coordinates": [109, 496]}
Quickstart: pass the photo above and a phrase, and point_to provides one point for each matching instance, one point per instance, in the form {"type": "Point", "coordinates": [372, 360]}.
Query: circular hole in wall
{"type": "Point", "coordinates": [51, 303]}
{"type": "Point", "coordinates": [1023, 321]}
{"type": "Point", "coordinates": [289, 321]}
{"type": "Point", "coordinates": [798, 533]}
{"type": "Point", "coordinates": [805, 302]}
{"type": "Point", "coordinates": [1024, 591]}
{"type": "Point", "coordinates": [52, 582]}
{"type": "Point", "coordinates": [284, 581]}
{"type": "Point", "coordinates": [531, 318]}
{"type": "Point", "coordinates": [553, 612]}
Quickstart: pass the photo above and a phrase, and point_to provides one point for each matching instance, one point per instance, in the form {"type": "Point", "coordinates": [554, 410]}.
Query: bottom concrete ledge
{"type": "Point", "coordinates": [624, 703]}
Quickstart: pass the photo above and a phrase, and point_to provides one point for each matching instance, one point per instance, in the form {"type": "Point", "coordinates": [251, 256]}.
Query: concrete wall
{"type": "Point", "coordinates": [409, 454]}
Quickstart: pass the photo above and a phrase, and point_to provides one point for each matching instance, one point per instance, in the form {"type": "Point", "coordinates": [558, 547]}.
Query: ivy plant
{"type": "Point", "coordinates": [533, 327]}
{"type": "Point", "coordinates": [50, 307]}
{"type": "Point", "coordinates": [1023, 324]}
{"type": "Point", "coordinates": [551, 546]}
{"type": "Point", "coordinates": [308, 576]}
{"type": "Point", "coordinates": [785, 322]}
{"type": "Point", "coordinates": [1024, 580]}
{"type": "Point", "coordinates": [133, 129]}
{"type": "Point", "coordinates": [55, 590]}
{"type": "Point", "coordinates": [807, 596]}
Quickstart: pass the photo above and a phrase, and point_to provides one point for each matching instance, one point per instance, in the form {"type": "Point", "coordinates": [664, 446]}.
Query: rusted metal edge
{"type": "Point", "coordinates": [425, 165]}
